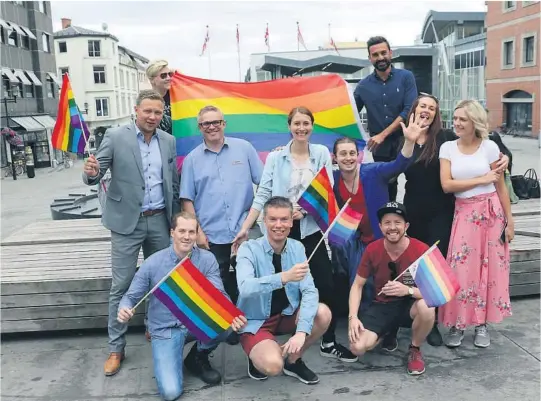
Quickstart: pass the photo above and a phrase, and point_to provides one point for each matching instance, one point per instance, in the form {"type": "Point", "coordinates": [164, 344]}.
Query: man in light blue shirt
{"type": "Point", "coordinates": [217, 186]}
{"type": "Point", "coordinates": [278, 296]}
{"type": "Point", "coordinates": [168, 334]}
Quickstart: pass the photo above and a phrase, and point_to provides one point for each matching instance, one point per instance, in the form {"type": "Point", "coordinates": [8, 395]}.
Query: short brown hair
{"type": "Point", "coordinates": [186, 216]}
{"type": "Point", "coordinates": [301, 110]}
{"type": "Point", "coordinates": [150, 94]}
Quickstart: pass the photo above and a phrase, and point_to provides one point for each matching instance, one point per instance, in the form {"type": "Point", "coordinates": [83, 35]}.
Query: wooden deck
{"type": "Point", "coordinates": [56, 274]}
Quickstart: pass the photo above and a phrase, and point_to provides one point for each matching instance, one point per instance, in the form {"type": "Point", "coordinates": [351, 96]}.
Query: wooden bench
{"type": "Point", "coordinates": [56, 274]}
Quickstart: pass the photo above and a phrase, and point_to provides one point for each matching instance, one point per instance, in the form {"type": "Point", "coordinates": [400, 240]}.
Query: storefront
{"type": "Point", "coordinates": [35, 132]}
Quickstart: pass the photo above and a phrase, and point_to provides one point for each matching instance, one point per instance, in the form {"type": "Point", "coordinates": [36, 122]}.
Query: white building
{"type": "Point", "coordinates": [105, 77]}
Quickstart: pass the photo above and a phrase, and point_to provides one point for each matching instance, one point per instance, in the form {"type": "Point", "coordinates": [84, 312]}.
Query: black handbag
{"type": "Point", "coordinates": [526, 186]}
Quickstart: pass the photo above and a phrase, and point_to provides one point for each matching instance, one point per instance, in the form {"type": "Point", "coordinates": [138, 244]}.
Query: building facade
{"type": "Point", "coordinates": [105, 77]}
{"type": "Point", "coordinates": [513, 70]}
{"type": "Point", "coordinates": [30, 86]}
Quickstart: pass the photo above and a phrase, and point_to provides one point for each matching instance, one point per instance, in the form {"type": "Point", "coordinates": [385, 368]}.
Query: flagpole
{"type": "Point", "coordinates": [329, 32]}
{"type": "Point", "coordinates": [238, 51]}
{"type": "Point", "coordinates": [416, 261]}
{"type": "Point", "coordinates": [329, 229]}
{"type": "Point", "coordinates": [160, 282]}
{"type": "Point", "coordinates": [298, 39]}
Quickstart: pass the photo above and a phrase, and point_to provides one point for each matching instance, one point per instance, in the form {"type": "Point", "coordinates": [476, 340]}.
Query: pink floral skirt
{"type": "Point", "coordinates": [480, 262]}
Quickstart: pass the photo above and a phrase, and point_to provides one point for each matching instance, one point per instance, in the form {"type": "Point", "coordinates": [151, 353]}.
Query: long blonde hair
{"type": "Point", "coordinates": [477, 114]}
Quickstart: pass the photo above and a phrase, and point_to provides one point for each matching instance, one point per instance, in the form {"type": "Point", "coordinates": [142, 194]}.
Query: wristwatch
{"type": "Point", "coordinates": [410, 291]}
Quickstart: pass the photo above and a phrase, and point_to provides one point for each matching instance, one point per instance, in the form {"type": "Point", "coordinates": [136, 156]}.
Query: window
{"type": "Point", "coordinates": [124, 109]}
{"type": "Point", "coordinates": [102, 107]}
{"type": "Point", "coordinates": [25, 42]}
{"type": "Point", "coordinates": [62, 47]}
{"type": "Point", "coordinates": [99, 74]}
{"type": "Point", "coordinates": [508, 54]}
{"type": "Point", "coordinates": [63, 71]}
{"type": "Point", "coordinates": [134, 87]}
{"type": "Point", "coordinates": [51, 88]}
{"type": "Point", "coordinates": [45, 40]}
{"type": "Point", "coordinates": [94, 48]}
{"type": "Point", "coordinates": [528, 50]}
{"type": "Point", "coordinates": [115, 73]}
{"type": "Point", "coordinates": [6, 86]}
{"type": "Point", "coordinates": [41, 6]}
{"type": "Point", "coordinates": [509, 5]}
{"type": "Point", "coordinates": [121, 79]}
{"type": "Point", "coordinates": [13, 38]}
{"type": "Point", "coordinates": [2, 34]}
{"type": "Point", "coordinates": [528, 3]}
{"type": "Point", "coordinates": [17, 90]}
{"type": "Point", "coordinates": [28, 90]}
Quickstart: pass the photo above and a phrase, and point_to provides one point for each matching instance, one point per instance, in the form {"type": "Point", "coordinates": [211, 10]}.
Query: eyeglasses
{"type": "Point", "coordinates": [392, 268]}
{"type": "Point", "coordinates": [164, 75]}
{"type": "Point", "coordinates": [207, 124]}
{"type": "Point", "coordinates": [424, 94]}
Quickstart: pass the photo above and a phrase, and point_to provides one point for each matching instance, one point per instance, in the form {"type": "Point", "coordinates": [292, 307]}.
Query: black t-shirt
{"type": "Point", "coordinates": [279, 298]}
{"type": "Point", "coordinates": [424, 195]}
{"type": "Point", "coordinates": [167, 123]}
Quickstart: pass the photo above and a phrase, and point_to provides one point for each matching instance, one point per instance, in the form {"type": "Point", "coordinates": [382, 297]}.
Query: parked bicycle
{"type": "Point", "coordinates": [19, 169]}
{"type": "Point", "coordinates": [505, 131]}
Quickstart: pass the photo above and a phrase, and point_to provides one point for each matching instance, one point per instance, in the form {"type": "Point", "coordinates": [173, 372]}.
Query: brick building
{"type": "Point", "coordinates": [513, 68]}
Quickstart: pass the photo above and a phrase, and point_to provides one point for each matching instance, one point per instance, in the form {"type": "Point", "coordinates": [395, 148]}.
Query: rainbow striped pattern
{"type": "Point", "coordinates": [318, 200]}
{"type": "Point", "coordinates": [345, 226]}
{"type": "Point", "coordinates": [434, 278]}
{"type": "Point", "coordinates": [70, 132]}
{"type": "Point", "coordinates": [202, 308]}
{"type": "Point", "coordinates": [257, 112]}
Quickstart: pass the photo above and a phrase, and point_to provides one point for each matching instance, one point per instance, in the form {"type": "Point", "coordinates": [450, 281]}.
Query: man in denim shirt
{"type": "Point", "coordinates": [278, 296]}
{"type": "Point", "coordinates": [168, 334]}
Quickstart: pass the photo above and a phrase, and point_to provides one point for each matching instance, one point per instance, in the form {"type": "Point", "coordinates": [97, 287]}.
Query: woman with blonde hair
{"type": "Point", "coordinates": [482, 227]}
{"type": "Point", "coordinates": [159, 75]}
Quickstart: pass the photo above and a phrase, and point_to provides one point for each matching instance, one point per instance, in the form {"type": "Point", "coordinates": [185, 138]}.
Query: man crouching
{"type": "Point", "coordinates": [398, 303]}
{"type": "Point", "coordinates": [278, 296]}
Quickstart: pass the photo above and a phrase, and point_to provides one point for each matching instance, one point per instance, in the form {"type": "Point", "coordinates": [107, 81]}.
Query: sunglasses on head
{"type": "Point", "coordinates": [424, 94]}
{"type": "Point", "coordinates": [164, 75]}
{"type": "Point", "coordinates": [207, 124]}
{"type": "Point", "coordinates": [392, 268]}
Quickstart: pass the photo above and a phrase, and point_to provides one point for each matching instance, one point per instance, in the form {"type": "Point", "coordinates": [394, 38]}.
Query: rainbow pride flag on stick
{"type": "Point", "coordinates": [194, 301]}
{"type": "Point", "coordinates": [345, 225]}
{"type": "Point", "coordinates": [258, 111]}
{"type": "Point", "coordinates": [70, 133]}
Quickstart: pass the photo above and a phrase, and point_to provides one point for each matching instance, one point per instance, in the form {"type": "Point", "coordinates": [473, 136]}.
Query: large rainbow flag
{"type": "Point", "coordinates": [192, 298]}
{"type": "Point", "coordinates": [319, 200]}
{"type": "Point", "coordinates": [70, 132]}
{"type": "Point", "coordinates": [258, 111]}
{"type": "Point", "coordinates": [434, 278]}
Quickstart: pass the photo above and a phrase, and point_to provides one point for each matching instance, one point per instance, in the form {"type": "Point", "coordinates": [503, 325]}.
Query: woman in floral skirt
{"type": "Point", "coordinates": [482, 228]}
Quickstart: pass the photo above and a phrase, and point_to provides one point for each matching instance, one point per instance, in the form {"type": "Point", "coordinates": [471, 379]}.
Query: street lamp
{"type": "Point", "coordinates": [10, 98]}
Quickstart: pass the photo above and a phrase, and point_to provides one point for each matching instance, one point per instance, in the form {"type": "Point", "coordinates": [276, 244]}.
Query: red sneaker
{"type": "Point", "coordinates": [416, 365]}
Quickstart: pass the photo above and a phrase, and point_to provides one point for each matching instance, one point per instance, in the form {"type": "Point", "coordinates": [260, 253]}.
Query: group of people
{"type": "Point", "coordinates": [455, 193]}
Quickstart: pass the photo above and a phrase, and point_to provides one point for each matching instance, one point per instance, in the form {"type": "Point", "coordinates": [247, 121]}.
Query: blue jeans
{"type": "Point", "coordinates": [167, 357]}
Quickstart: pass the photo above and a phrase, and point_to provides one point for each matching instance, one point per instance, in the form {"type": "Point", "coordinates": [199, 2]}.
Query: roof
{"type": "Point", "coordinates": [440, 19]}
{"type": "Point", "coordinates": [74, 31]}
{"type": "Point", "coordinates": [414, 51]}
{"type": "Point", "coordinates": [133, 54]}
{"type": "Point", "coordinates": [329, 63]}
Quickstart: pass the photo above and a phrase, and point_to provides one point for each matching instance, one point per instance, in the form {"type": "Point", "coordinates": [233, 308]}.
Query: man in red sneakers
{"type": "Point", "coordinates": [398, 303]}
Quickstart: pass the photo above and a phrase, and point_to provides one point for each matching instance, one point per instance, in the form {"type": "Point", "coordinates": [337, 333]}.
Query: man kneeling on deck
{"type": "Point", "coordinates": [398, 303]}
{"type": "Point", "coordinates": [168, 334]}
{"type": "Point", "coordinates": [278, 296]}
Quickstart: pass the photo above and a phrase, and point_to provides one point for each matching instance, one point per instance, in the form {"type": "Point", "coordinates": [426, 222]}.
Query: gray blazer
{"type": "Point", "coordinates": [119, 152]}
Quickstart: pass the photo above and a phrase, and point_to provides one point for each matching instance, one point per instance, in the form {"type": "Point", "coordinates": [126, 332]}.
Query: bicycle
{"type": "Point", "coordinates": [504, 131]}
{"type": "Point", "coordinates": [8, 171]}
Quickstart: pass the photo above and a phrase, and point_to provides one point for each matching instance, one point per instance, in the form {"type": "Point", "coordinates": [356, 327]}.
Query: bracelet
{"type": "Point", "coordinates": [352, 317]}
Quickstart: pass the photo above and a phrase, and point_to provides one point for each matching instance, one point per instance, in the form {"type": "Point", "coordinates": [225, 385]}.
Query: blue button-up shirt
{"type": "Point", "coordinates": [152, 172]}
{"type": "Point", "coordinates": [385, 101]}
{"type": "Point", "coordinates": [257, 280]}
{"type": "Point", "coordinates": [153, 269]}
{"type": "Point", "coordinates": [220, 185]}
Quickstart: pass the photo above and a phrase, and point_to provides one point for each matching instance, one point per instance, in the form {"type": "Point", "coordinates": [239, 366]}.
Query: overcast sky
{"type": "Point", "coordinates": [175, 30]}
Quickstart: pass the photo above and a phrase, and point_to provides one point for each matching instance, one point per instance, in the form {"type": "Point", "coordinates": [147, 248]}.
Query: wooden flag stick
{"type": "Point", "coordinates": [414, 263]}
{"type": "Point", "coordinates": [329, 229]}
{"type": "Point", "coordinates": [159, 283]}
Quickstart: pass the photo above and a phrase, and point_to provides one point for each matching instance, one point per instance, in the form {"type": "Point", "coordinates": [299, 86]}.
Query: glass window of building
{"type": "Point", "coordinates": [45, 42]}
{"type": "Point", "coordinates": [528, 47]}
{"type": "Point", "coordinates": [62, 47]}
{"type": "Point", "coordinates": [94, 48]}
{"type": "Point", "coordinates": [99, 74]}
{"type": "Point", "coordinates": [102, 107]}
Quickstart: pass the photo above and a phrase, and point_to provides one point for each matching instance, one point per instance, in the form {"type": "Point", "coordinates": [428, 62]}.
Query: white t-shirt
{"type": "Point", "coordinates": [464, 167]}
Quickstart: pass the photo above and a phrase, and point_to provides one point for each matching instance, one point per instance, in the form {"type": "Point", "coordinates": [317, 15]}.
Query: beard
{"type": "Point", "coordinates": [382, 65]}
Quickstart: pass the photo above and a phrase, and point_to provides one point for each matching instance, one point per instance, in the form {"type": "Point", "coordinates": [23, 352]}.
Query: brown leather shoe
{"type": "Point", "coordinates": [112, 364]}
{"type": "Point", "coordinates": [147, 336]}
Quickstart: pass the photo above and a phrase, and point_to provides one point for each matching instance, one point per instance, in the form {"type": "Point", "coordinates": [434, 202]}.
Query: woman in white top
{"type": "Point", "coordinates": [482, 227]}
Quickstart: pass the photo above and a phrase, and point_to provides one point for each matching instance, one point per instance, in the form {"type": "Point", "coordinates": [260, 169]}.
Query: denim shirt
{"type": "Point", "coordinates": [153, 269]}
{"type": "Point", "coordinates": [277, 177]}
{"type": "Point", "coordinates": [256, 279]}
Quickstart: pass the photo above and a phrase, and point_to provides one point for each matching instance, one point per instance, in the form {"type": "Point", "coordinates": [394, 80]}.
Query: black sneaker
{"type": "Point", "coordinates": [434, 337]}
{"type": "Point", "coordinates": [335, 350]}
{"type": "Point", "coordinates": [300, 371]}
{"type": "Point", "coordinates": [254, 373]}
{"type": "Point", "coordinates": [197, 363]}
{"type": "Point", "coordinates": [390, 343]}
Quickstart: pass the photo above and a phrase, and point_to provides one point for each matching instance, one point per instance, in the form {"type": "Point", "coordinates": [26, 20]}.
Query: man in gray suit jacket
{"type": "Point", "coordinates": [141, 199]}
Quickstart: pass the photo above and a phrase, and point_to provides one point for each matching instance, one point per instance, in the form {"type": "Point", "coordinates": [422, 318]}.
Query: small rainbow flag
{"type": "Point", "coordinates": [70, 132]}
{"type": "Point", "coordinates": [202, 308]}
{"type": "Point", "coordinates": [434, 278]}
{"type": "Point", "coordinates": [318, 200]}
{"type": "Point", "coordinates": [257, 111]}
{"type": "Point", "coordinates": [345, 225]}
